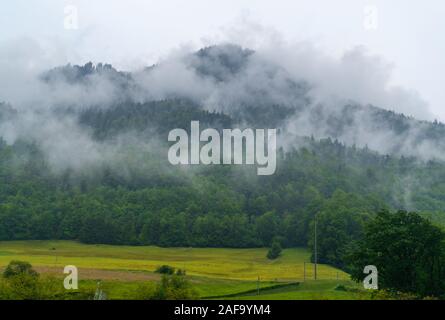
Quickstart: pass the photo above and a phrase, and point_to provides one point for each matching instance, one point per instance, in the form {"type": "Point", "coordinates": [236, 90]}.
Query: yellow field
{"type": "Point", "coordinates": [237, 264]}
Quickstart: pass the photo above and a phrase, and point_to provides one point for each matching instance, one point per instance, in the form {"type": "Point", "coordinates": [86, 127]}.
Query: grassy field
{"type": "Point", "coordinates": [221, 273]}
{"type": "Point", "coordinates": [239, 264]}
{"type": "Point", "coordinates": [311, 290]}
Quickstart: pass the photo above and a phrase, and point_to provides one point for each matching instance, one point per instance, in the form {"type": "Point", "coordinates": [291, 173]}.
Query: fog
{"type": "Point", "coordinates": [224, 78]}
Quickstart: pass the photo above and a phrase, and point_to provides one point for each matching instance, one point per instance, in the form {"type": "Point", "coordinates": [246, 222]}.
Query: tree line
{"type": "Point", "coordinates": [149, 203]}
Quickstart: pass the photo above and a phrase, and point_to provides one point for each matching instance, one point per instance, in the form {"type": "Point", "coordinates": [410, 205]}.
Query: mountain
{"type": "Point", "coordinates": [236, 82]}
{"type": "Point", "coordinates": [87, 159]}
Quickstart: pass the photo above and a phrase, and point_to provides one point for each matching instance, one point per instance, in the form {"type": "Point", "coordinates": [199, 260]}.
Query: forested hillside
{"type": "Point", "coordinates": [110, 181]}
{"type": "Point", "coordinates": [139, 199]}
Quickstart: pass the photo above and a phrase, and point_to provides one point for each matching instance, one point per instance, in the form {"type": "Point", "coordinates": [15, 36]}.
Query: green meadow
{"type": "Point", "coordinates": [216, 273]}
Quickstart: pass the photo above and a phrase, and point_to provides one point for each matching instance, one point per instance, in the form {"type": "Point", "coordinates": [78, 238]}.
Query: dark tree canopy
{"type": "Point", "coordinates": [274, 251]}
{"type": "Point", "coordinates": [18, 268]}
{"type": "Point", "coordinates": [406, 249]}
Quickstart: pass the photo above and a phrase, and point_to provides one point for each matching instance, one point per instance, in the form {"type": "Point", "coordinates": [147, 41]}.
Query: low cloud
{"type": "Point", "coordinates": [226, 78]}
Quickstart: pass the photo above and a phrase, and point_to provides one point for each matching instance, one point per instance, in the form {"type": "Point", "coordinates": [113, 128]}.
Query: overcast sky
{"type": "Point", "coordinates": [131, 33]}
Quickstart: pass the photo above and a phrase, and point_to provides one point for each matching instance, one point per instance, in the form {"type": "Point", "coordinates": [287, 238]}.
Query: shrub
{"type": "Point", "coordinates": [341, 287]}
{"type": "Point", "coordinates": [174, 288]}
{"type": "Point", "coordinates": [171, 287]}
{"type": "Point", "coordinates": [16, 268]}
{"type": "Point", "coordinates": [165, 269]}
{"type": "Point", "coordinates": [274, 251]}
{"type": "Point", "coordinates": [146, 291]}
{"type": "Point", "coordinates": [180, 272]}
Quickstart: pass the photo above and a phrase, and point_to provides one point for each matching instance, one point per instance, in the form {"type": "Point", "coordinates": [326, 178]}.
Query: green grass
{"type": "Point", "coordinates": [222, 273]}
{"type": "Point", "coordinates": [206, 287]}
{"type": "Point", "coordinates": [237, 264]}
{"type": "Point", "coordinates": [311, 290]}
{"type": "Point", "coordinates": [211, 287]}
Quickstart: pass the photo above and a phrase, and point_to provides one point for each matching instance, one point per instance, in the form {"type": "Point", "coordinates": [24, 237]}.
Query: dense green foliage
{"type": "Point", "coordinates": [17, 268]}
{"type": "Point", "coordinates": [407, 250]}
{"type": "Point", "coordinates": [274, 251]}
{"type": "Point", "coordinates": [165, 269]}
{"type": "Point", "coordinates": [138, 198]}
{"type": "Point", "coordinates": [171, 287]}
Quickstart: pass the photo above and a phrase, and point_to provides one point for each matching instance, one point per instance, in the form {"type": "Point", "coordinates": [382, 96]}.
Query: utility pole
{"type": "Point", "coordinates": [315, 248]}
{"type": "Point", "coordinates": [304, 271]}
{"type": "Point", "coordinates": [258, 286]}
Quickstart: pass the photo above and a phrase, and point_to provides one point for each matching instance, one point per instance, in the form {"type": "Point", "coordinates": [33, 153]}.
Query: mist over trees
{"type": "Point", "coordinates": [86, 157]}
{"type": "Point", "coordinates": [150, 202]}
